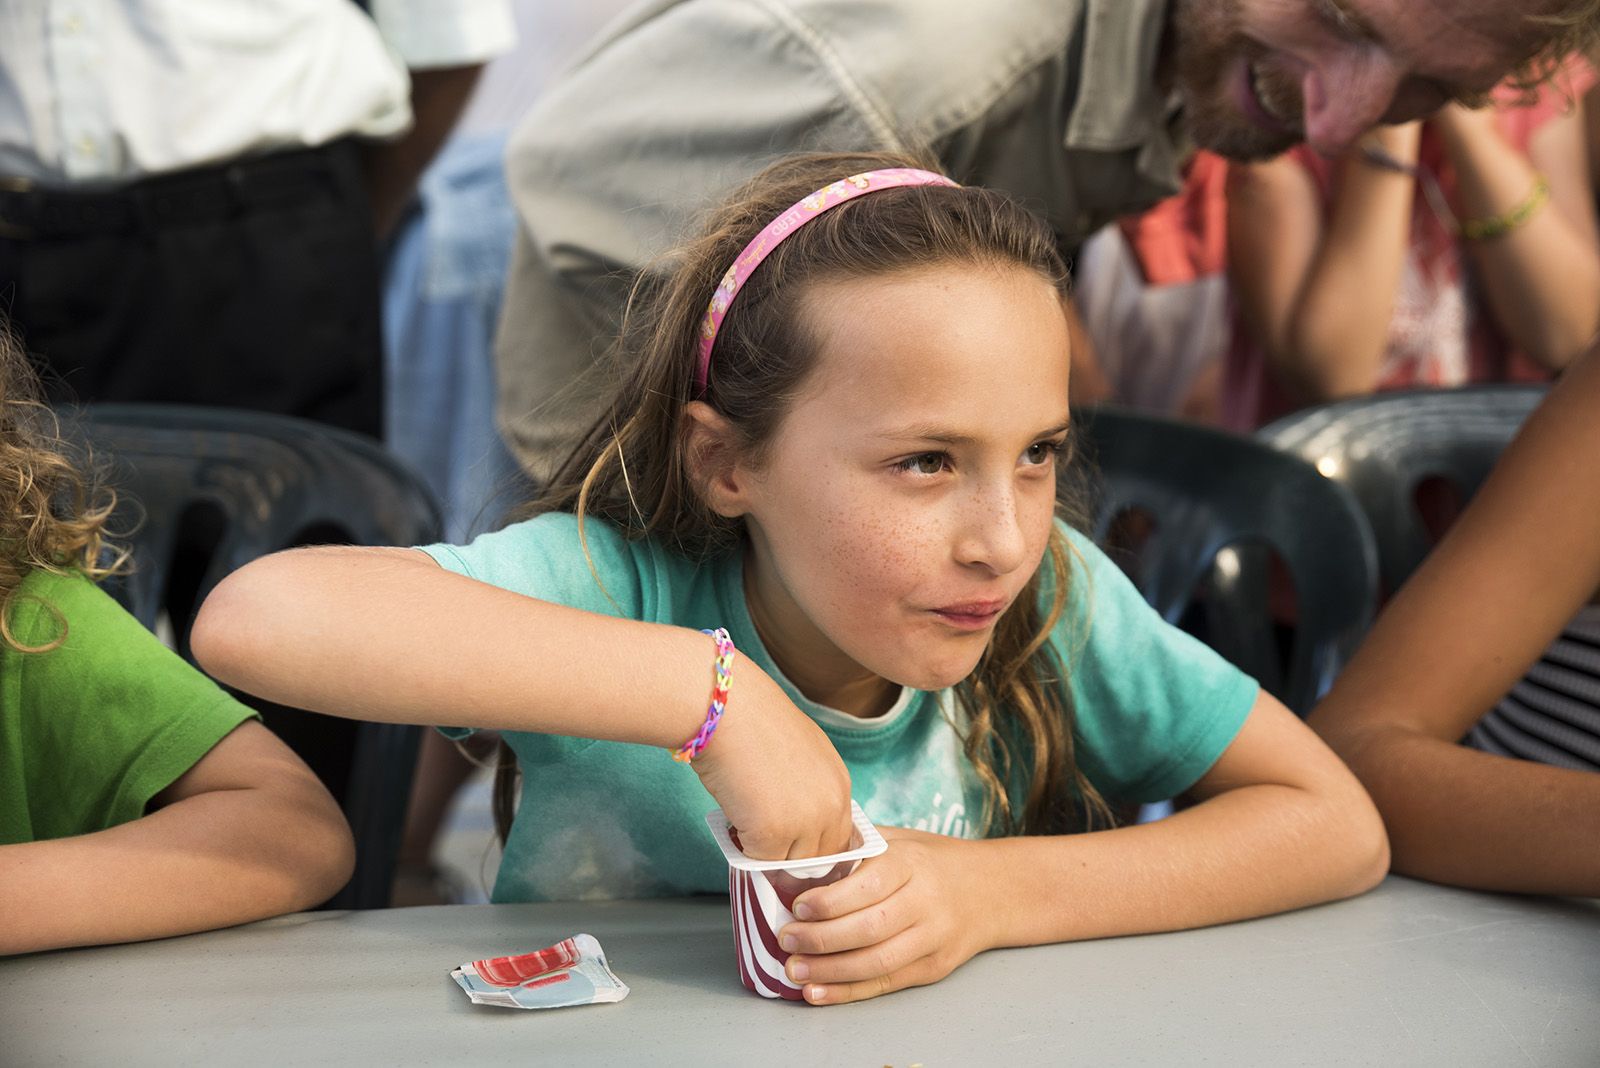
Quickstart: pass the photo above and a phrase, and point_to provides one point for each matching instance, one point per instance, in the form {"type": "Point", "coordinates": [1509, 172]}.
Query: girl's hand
{"type": "Point", "coordinates": [906, 918]}
{"type": "Point", "coordinates": [776, 775]}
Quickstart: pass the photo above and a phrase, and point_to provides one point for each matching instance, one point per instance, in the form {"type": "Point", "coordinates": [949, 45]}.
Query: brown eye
{"type": "Point", "coordinates": [1043, 452]}
{"type": "Point", "coordinates": [927, 463]}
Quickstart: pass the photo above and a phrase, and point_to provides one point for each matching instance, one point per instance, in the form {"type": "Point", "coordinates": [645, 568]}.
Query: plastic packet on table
{"type": "Point", "coordinates": [762, 892]}
{"type": "Point", "coordinates": [573, 972]}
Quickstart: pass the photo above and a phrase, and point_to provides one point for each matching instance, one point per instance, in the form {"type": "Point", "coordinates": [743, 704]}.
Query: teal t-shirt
{"type": "Point", "coordinates": [93, 729]}
{"type": "Point", "coordinates": [1154, 710]}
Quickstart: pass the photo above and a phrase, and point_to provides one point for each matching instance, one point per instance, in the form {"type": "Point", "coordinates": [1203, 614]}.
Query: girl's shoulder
{"type": "Point", "coordinates": [48, 604]}
{"type": "Point", "coordinates": [591, 565]}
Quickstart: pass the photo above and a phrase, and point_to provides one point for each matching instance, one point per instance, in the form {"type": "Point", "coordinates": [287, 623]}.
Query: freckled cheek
{"type": "Point", "coordinates": [874, 560]}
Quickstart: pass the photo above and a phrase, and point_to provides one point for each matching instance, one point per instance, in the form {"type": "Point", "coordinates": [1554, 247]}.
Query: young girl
{"type": "Point", "coordinates": [137, 800]}
{"type": "Point", "coordinates": [1457, 249]}
{"type": "Point", "coordinates": [837, 438]}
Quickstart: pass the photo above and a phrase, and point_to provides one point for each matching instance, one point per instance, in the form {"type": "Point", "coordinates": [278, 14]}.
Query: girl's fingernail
{"type": "Point", "coordinates": [799, 970]}
{"type": "Point", "coordinates": [789, 943]}
{"type": "Point", "coordinates": [802, 910]}
{"type": "Point", "coordinates": [816, 994]}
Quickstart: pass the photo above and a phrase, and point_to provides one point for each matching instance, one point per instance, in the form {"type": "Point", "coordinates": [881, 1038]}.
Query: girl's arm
{"type": "Point", "coordinates": [1511, 572]}
{"type": "Point", "coordinates": [1298, 278]}
{"type": "Point", "coordinates": [389, 635]}
{"type": "Point", "coordinates": [246, 833]}
{"type": "Point", "coordinates": [1281, 824]}
{"type": "Point", "coordinates": [1541, 280]}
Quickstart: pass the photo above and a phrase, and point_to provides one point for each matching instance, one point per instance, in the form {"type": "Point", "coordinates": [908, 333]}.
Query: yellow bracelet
{"type": "Point", "coordinates": [1504, 223]}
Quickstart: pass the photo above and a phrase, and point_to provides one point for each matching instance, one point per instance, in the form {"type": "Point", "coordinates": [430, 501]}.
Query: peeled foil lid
{"type": "Point", "coordinates": [872, 844]}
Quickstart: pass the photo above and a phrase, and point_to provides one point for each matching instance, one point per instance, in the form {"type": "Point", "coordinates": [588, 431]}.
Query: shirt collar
{"type": "Point", "coordinates": [1115, 112]}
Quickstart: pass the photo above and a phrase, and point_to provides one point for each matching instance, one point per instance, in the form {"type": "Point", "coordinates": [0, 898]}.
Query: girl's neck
{"type": "Point", "coordinates": [816, 666]}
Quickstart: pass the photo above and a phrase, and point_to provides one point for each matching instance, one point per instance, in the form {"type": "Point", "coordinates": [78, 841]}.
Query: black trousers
{"type": "Point", "coordinates": [251, 285]}
{"type": "Point", "coordinates": [248, 285]}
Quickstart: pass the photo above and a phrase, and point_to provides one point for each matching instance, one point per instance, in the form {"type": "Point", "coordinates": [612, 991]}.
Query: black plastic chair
{"type": "Point", "coordinates": [204, 491]}
{"type": "Point", "coordinates": [1200, 492]}
{"type": "Point", "coordinates": [1386, 447]}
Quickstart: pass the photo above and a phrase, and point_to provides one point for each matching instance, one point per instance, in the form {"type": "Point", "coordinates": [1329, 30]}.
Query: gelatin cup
{"type": "Point", "coordinates": [762, 892]}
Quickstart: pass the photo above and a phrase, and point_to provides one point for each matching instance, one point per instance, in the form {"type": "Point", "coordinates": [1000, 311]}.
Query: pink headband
{"type": "Point", "coordinates": [783, 226]}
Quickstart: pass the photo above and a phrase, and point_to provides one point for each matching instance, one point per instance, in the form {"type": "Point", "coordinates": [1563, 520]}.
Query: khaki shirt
{"type": "Point", "coordinates": [1053, 101]}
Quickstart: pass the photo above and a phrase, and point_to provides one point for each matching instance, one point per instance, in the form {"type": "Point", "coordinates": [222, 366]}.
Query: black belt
{"type": "Point", "coordinates": [180, 198]}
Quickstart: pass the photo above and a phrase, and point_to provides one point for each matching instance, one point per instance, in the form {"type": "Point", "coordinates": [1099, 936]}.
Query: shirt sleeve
{"type": "Point", "coordinates": [429, 34]}
{"type": "Point", "coordinates": [618, 160]}
{"type": "Point", "coordinates": [1153, 707]}
{"type": "Point", "coordinates": [549, 557]}
{"type": "Point", "coordinates": [113, 716]}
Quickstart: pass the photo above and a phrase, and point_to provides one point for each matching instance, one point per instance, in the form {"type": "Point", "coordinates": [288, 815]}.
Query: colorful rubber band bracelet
{"type": "Point", "coordinates": [721, 679]}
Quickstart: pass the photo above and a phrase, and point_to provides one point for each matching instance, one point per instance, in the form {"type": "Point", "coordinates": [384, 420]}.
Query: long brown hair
{"type": "Point", "coordinates": [631, 469]}
{"type": "Point", "coordinates": [53, 512]}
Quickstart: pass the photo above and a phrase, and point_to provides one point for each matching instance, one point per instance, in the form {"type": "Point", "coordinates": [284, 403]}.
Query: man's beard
{"type": "Point", "coordinates": [1206, 47]}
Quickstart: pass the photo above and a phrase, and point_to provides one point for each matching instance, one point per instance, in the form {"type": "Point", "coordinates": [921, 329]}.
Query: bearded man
{"type": "Point", "coordinates": [1084, 109]}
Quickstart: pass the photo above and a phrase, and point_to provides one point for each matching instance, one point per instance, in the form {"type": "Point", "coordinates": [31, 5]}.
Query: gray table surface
{"type": "Point", "coordinates": [1410, 974]}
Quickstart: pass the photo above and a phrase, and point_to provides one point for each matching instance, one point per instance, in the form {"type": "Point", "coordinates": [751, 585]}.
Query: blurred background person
{"type": "Point", "coordinates": [1459, 249]}
{"type": "Point", "coordinates": [1084, 109]}
{"type": "Point", "coordinates": [193, 199]}
{"type": "Point", "coordinates": [192, 195]}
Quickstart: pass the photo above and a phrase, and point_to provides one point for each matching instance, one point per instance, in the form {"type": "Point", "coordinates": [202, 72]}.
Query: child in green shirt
{"type": "Point", "coordinates": [137, 799]}
{"type": "Point", "coordinates": [834, 440]}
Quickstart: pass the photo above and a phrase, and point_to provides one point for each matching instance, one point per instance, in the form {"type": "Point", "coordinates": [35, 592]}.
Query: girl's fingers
{"type": "Point", "coordinates": [860, 929]}
{"type": "Point", "coordinates": [872, 882]}
{"type": "Point", "coordinates": [803, 848]}
{"type": "Point", "coordinates": [860, 965]}
{"type": "Point", "coordinates": [918, 973]}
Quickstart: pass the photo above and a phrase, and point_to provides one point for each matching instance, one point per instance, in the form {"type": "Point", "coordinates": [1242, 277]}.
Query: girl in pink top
{"type": "Point", "coordinates": [1458, 249]}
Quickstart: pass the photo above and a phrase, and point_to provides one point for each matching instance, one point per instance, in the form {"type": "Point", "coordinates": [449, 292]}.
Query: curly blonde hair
{"type": "Point", "coordinates": [53, 511]}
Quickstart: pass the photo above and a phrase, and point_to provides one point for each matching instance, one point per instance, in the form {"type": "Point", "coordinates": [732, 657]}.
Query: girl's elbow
{"type": "Point", "coordinates": [330, 862]}
{"type": "Point", "coordinates": [320, 855]}
{"type": "Point", "coordinates": [1365, 842]}
{"type": "Point", "coordinates": [1557, 349]}
{"type": "Point", "coordinates": [220, 638]}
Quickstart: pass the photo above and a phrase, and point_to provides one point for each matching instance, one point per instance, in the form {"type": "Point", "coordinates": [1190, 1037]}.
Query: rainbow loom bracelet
{"type": "Point", "coordinates": [722, 678]}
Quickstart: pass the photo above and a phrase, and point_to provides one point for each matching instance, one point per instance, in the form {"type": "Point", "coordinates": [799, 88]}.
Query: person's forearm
{"type": "Point", "coordinates": [392, 168]}
{"type": "Point", "coordinates": [1541, 280]}
{"type": "Point", "coordinates": [1338, 332]}
{"type": "Point", "coordinates": [1504, 581]}
{"type": "Point", "coordinates": [207, 861]}
{"type": "Point", "coordinates": [1459, 816]}
{"type": "Point", "coordinates": [1248, 852]}
{"type": "Point", "coordinates": [389, 635]}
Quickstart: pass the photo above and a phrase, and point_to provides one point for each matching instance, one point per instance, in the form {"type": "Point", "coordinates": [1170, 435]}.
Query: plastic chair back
{"type": "Point", "coordinates": [1384, 447]}
{"type": "Point", "coordinates": [258, 483]}
{"type": "Point", "coordinates": [1215, 503]}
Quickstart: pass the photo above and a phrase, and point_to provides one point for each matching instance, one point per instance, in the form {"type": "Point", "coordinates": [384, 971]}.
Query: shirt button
{"type": "Point", "coordinates": [87, 146]}
{"type": "Point", "coordinates": [72, 24]}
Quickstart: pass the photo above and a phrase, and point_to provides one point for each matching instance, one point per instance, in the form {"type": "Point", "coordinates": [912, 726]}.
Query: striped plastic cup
{"type": "Point", "coordinates": [762, 892]}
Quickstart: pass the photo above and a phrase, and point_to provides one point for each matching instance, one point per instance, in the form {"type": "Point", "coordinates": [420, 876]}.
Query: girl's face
{"type": "Point", "coordinates": [907, 497]}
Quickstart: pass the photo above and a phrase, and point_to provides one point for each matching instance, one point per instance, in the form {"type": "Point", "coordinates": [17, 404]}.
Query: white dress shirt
{"type": "Point", "coordinates": [96, 92]}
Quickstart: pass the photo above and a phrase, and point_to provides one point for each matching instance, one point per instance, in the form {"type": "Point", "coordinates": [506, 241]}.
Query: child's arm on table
{"type": "Point", "coordinates": [1513, 570]}
{"type": "Point", "coordinates": [1281, 824]}
{"type": "Point", "coordinates": [389, 635]}
{"type": "Point", "coordinates": [246, 833]}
